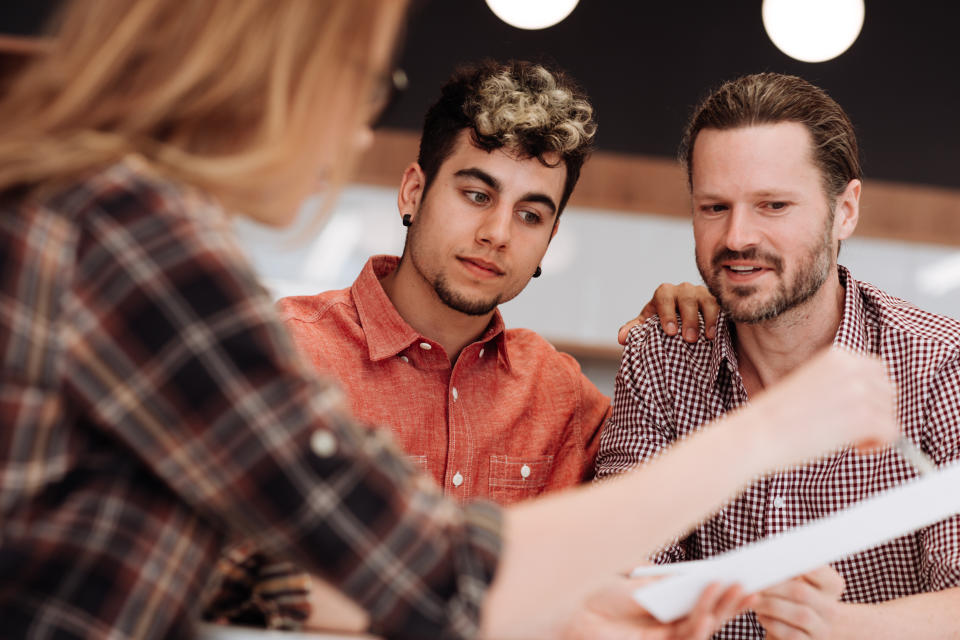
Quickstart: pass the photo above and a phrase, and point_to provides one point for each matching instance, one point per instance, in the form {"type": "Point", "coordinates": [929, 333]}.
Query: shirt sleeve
{"type": "Point", "coordinates": [175, 351]}
{"type": "Point", "coordinates": [250, 589]}
{"type": "Point", "coordinates": [941, 541]}
{"type": "Point", "coordinates": [595, 412]}
{"type": "Point", "coordinates": [640, 427]}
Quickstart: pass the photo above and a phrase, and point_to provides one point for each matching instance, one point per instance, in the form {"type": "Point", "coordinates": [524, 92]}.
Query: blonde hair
{"type": "Point", "coordinates": [509, 106]}
{"type": "Point", "coordinates": [236, 97]}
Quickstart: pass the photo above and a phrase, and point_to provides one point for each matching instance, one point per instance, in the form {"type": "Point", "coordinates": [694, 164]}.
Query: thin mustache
{"type": "Point", "coordinates": [725, 254]}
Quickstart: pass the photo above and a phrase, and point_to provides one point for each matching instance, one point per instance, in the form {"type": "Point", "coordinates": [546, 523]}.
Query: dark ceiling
{"type": "Point", "coordinates": [646, 63]}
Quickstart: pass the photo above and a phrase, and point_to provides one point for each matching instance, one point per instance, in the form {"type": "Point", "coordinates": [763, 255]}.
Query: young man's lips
{"type": "Point", "coordinates": [482, 266]}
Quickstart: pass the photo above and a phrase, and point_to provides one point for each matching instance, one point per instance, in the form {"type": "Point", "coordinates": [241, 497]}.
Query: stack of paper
{"type": "Point", "coordinates": [757, 566]}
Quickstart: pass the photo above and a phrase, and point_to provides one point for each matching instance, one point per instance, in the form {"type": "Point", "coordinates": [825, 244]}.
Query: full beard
{"type": "Point", "coordinates": [742, 304]}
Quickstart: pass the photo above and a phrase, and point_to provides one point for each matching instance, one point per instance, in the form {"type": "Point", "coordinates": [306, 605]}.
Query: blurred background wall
{"type": "Point", "coordinates": [645, 65]}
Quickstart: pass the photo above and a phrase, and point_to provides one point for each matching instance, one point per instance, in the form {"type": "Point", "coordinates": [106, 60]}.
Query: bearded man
{"type": "Point", "coordinates": [775, 181]}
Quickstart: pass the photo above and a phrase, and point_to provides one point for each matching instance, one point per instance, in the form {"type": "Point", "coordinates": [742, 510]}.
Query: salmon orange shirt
{"type": "Point", "coordinates": [510, 419]}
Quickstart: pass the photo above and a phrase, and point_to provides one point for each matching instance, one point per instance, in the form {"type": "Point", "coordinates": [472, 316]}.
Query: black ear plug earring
{"type": "Point", "coordinates": [407, 220]}
{"type": "Point", "coordinates": [536, 274]}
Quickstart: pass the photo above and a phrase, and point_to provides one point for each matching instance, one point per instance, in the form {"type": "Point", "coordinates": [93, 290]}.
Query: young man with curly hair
{"type": "Point", "coordinates": [417, 343]}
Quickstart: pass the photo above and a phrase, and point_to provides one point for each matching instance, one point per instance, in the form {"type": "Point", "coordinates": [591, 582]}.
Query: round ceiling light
{"type": "Point", "coordinates": [532, 14]}
{"type": "Point", "coordinates": [813, 30]}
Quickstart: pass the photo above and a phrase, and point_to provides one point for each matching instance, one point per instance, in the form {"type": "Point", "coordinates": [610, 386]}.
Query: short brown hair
{"type": "Point", "coordinates": [769, 98]}
{"type": "Point", "coordinates": [521, 105]}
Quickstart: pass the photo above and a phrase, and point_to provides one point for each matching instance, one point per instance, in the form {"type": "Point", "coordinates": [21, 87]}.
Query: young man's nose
{"type": "Point", "coordinates": [495, 226]}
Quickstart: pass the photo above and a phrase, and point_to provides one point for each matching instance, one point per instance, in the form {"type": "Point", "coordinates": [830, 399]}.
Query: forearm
{"type": "Point", "coordinates": [925, 615]}
{"type": "Point", "coordinates": [606, 527]}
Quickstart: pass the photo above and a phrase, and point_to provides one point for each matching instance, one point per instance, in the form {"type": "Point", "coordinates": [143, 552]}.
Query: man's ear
{"type": "Point", "coordinates": [411, 190]}
{"type": "Point", "coordinates": [847, 212]}
{"type": "Point", "coordinates": [556, 226]}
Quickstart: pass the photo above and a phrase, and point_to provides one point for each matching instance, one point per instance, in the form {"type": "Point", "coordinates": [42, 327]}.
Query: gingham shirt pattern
{"type": "Point", "coordinates": [153, 404]}
{"type": "Point", "coordinates": [667, 389]}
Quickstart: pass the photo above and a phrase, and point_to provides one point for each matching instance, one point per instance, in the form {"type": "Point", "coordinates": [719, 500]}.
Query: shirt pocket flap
{"type": "Point", "coordinates": [514, 478]}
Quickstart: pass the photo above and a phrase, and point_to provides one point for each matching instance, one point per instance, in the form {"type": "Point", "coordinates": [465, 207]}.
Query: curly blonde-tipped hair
{"type": "Point", "coordinates": [524, 106]}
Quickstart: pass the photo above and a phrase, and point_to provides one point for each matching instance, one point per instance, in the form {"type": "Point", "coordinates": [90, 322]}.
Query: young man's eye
{"type": "Point", "coordinates": [530, 217]}
{"type": "Point", "coordinates": [479, 197]}
{"type": "Point", "coordinates": [777, 206]}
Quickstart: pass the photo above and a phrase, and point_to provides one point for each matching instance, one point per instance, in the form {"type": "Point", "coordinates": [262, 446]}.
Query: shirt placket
{"type": "Point", "coordinates": [462, 476]}
{"type": "Point", "coordinates": [752, 509]}
{"type": "Point", "coordinates": [777, 507]}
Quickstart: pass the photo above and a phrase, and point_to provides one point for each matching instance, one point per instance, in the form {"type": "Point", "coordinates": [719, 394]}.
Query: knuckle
{"type": "Point", "coordinates": [805, 618]}
{"type": "Point", "coordinates": [795, 591]}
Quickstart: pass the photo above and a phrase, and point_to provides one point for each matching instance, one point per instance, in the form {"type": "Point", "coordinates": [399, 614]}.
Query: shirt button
{"type": "Point", "coordinates": [323, 443]}
{"type": "Point", "coordinates": [425, 346]}
{"type": "Point", "coordinates": [457, 479]}
{"type": "Point", "coordinates": [405, 358]}
{"type": "Point", "coordinates": [778, 502]}
{"type": "Point", "coordinates": [455, 394]}
{"type": "Point", "coordinates": [481, 353]}
{"type": "Point", "coordinates": [525, 471]}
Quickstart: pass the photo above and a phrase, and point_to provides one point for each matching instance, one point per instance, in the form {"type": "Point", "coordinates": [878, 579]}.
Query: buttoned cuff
{"type": "Point", "coordinates": [249, 588]}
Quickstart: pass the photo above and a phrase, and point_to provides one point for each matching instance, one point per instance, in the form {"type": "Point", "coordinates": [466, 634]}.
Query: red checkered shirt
{"type": "Point", "coordinates": [667, 389]}
{"type": "Point", "coordinates": [153, 404]}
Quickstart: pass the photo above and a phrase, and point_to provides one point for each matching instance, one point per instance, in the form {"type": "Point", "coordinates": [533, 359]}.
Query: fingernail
{"type": "Point", "coordinates": [691, 334]}
{"type": "Point", "coordinates": [671, 327]}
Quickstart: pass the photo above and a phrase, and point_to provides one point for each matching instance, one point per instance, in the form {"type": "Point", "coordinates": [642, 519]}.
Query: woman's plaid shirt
{"type": "Point", "coordinates": [152, 404]}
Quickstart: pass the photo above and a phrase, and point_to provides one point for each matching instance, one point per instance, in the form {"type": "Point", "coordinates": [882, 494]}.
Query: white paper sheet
{"type": "Point", "coordinates": [894, 513]}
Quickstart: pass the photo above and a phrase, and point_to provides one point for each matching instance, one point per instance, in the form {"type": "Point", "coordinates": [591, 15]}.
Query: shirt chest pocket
{"type": "Point", "coordinates": [515, 478]}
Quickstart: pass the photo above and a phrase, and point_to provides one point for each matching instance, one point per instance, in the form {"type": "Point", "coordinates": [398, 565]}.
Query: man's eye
{"type": "Point", "coordinates": [777, 206]}
{"type": "Point", "coordinates": [530, 217]}
{"type": "Point", "coordinates": [479, 197]}
{"type": "Point", "coordinates": [713, 208]}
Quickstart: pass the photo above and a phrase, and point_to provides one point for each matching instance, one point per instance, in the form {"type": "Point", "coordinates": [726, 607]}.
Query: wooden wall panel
{"type": "Point", "coordinates": [642, 184]}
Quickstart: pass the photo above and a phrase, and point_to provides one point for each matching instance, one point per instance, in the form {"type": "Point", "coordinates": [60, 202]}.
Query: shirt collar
{"type": "Point", "coordinates": [387, 333]}
{"type": "Point", "coordinates": [851, 334]}
{"type": "Point", "coordinates": [722, 349]}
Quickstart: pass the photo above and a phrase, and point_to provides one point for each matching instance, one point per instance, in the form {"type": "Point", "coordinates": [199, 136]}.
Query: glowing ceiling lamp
{"type": "Point", "coordinates": [813, 30]}
{"type": "Point", "coordinates": [532, 14]}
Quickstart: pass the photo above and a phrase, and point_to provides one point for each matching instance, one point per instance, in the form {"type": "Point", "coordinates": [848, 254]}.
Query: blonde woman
{"type": "Point", "coordinates": [153, 405]}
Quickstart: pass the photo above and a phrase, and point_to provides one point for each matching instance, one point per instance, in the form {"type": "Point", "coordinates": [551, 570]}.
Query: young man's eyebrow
{"type": "Point", "coordinates": [494, 184]}
{"type": "Point", "coordinates": [542, 198]}
{"type": "Point", "coordinates": [480, 175]}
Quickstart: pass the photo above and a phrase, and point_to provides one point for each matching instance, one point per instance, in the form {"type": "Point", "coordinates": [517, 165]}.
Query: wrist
{"type": "Point", "coordinates": [757, 439]}
{"type": "Point", "coordinates": [853, 621]}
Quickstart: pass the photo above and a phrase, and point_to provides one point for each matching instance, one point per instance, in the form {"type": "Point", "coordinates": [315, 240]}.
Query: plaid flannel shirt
{"type": "Point", "coordinates": [152, 404]}
{"type": "Point", "coordinates": [666, 390]}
